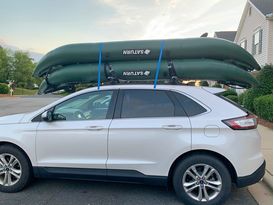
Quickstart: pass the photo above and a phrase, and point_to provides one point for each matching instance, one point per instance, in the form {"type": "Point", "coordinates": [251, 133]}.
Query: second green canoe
{"type": "Point", "coordinates": [202, 69]}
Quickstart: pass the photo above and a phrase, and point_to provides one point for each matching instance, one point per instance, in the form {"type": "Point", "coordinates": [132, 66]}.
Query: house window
{"type": "Point", "coordinates": [257, 42]}
{"type": "Point", "coordinates": [243, 44]}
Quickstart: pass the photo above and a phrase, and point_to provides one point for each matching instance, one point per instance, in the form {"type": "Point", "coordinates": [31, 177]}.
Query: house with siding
{"type": "Point", "coordinates": [227, 35]}
{"type": "Point", "coordinates": [255, 31]}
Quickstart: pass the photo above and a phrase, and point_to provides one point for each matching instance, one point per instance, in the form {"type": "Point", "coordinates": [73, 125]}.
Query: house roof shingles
{"type": "Point", "coordinates": [228, 35]}
{"type": "Point", "coordinates": [265, 6]}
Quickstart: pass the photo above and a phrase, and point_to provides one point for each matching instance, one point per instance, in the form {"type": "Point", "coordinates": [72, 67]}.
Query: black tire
{"type": "Point", "coordinates": [215, 163]}
{"type": "Point", "coordinates": [26, 173]}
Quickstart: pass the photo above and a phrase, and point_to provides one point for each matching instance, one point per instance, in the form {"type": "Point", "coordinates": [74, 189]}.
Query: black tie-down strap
{"type": "Point", "coordinates": [110, 74]}
{"type": "Point", "coordinates": [172, 73]}
{"type": "Point", "coordinates": [173, 78]}
{"type": "Point", "coordinates": [47, 80]}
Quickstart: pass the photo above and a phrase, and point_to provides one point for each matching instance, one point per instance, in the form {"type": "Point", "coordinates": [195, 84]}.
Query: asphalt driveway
{"type": "Point", "coordinates": [66, 192]}
{"type": "Point", "coordinates": [47, 191]}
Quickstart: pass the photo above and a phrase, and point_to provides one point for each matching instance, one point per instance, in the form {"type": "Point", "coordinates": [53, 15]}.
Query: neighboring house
{"type": "Point", "coordinates": [255, 31]}
{"type": "Point", "coordinates": [227, 35]}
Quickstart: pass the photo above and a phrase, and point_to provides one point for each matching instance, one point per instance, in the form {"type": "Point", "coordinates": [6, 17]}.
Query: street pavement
{"type": "Point", "coordinates": [59, 192]}
{"type": "Point", "coordinates": [71, 192]}
{"type": "Point", "coordinates": [15, 105]}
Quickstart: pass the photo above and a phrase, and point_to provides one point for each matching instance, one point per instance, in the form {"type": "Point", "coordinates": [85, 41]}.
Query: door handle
{"type": "Point", "coordinates": [172, 127]}
{"type": "Point", "coordinates": [95, 128]}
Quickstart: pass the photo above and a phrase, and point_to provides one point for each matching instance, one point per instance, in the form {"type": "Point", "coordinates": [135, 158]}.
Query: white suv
{"type": "Point", "coordinates": [183, 136]}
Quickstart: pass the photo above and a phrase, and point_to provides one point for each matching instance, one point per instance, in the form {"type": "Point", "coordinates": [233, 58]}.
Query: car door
{"type": "Point", "coordinates": [148, 132]}
{"type": "Point", "coordinates": [77, 136]}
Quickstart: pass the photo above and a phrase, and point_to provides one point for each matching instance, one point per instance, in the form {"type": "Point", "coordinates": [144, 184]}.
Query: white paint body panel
{"type": "Point", "coordinates": [72, 144]}
{"type": "Point", "coordinates": [136, 144]}
{"type": "Point", "coordinates": [145, 145]}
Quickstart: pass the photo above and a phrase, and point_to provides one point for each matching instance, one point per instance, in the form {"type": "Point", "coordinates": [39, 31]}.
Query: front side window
{"type": "Point", "coordinates": [146, 103]}
{"type": "Point", "coordinates": [89, 106]}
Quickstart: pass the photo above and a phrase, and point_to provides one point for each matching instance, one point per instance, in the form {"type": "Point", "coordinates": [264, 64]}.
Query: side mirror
{"type": "Point", "coordinates": [47, 116]}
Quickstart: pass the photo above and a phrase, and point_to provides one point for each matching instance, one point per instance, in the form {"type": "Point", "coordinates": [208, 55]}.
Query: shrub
{"type": "Point", "coordinates": [233, 98]}
{"type": "Point", "coordinates": [264, 107]}
{"type": "Point", "coordinates": [217, 85]}
{"type": "Point", "coordinates": [4, 88]}
{"type": "Point", "coordinates": [249, 98]}
{"type": "Point", "coordinates": [229, 92]}
{"type": "Point", "coordinates": [204, 83]}
{"type": "Point", "coordinates": [265, 87]}
{"type": "Point", "coordinates": [241, 98]}
{"type": "Point", "coordinates": [265, 79]}
{"type": "Point", "coordinates": [22, 85]}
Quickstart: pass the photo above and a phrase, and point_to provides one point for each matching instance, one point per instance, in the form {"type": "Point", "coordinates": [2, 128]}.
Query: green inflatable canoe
{"type": "Point", "coordinates": [203, 69]}
{"type": "Point", "coordinates": [183, 49]}
{"type": "Point", "coordinates": [184, 59]}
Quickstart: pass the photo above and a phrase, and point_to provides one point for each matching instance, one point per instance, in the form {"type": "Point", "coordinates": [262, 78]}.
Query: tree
{"type": "Point", "coordinates": [5, 65]}
{"type": "Point", "coordinates": [23, 67]}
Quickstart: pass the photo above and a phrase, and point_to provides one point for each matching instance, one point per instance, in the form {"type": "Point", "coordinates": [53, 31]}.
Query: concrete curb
{"type": "Point", "coordinates": [268, 179]}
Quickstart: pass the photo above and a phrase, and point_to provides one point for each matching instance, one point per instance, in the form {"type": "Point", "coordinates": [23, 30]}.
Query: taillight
{"type": "Point", "coordinates": [242, 123]}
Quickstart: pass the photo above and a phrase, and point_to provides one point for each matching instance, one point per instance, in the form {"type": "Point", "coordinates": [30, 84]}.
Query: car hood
{"type": "Point", "coordinates": [11, 119]}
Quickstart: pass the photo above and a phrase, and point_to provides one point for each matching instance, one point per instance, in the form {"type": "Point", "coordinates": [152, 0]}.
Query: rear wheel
{"type": "Point", "coordinates": [14, 169]}
{"type": "Point", "coordinates": [202, 179]}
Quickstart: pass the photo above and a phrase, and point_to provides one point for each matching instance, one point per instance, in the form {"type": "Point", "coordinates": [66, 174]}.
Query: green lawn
{"type": "Point", "coordinates": [23, 91]}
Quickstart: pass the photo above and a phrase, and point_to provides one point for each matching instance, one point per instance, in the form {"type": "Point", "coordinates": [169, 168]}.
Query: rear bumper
{"type": "Point", "coordinates": [251, 179]}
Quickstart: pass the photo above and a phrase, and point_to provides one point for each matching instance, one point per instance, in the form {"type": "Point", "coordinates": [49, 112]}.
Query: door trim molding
{"type": "Point", "coordinates": [112, 175]}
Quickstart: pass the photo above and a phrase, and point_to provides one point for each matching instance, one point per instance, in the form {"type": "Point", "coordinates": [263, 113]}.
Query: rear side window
{"type": "Point", "coordinates": [146, 103]}
{"type": "Point", "coordinates": [190, 106]}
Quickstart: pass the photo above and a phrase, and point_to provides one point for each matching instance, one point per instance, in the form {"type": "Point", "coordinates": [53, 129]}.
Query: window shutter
{"type": "Point", "coordinates": [253, 46]}
{"type": "Point", "coordinates": [260, 41]}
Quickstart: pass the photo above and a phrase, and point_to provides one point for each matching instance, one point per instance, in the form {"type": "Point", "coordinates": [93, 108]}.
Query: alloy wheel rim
{"type": "Point", "coordinates": [10, 169]}
{"type": "Point", "coordinates": [202, 182]}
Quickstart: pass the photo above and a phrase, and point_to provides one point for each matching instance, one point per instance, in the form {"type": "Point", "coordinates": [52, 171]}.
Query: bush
{"type": "Point", "coordinates": [233, 98]}
{"type": "Point", "coordinates": [264, 107]}
{"type": "Point", "coordinates": [229, 92]}
{"type": "Point", "coordinates": [22, 84]}
{"type": "Point", "coordinates": [4, 88]}
{"type": "Point", "coordinates": [204, 83]}
{"type": "Point", "coordinates": [249, 98]}
{"type": "Point", "coordinates": [241, 98]}
{"type": "Point", "coordinates": [265, 87]}
{"type": "Point", "coordinates": [217, 85]}
{"type": "Point", "coordinates": [265, 79]}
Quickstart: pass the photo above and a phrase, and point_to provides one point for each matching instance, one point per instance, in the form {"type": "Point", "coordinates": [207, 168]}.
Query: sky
{"type": "Point", "coordinates": [42, 25]}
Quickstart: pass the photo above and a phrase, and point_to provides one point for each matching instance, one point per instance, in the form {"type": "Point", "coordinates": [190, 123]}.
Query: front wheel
{"type": "Point", "coordinates": [202, 179]}
{"type": "Point", "coordinates": [14, 169]}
